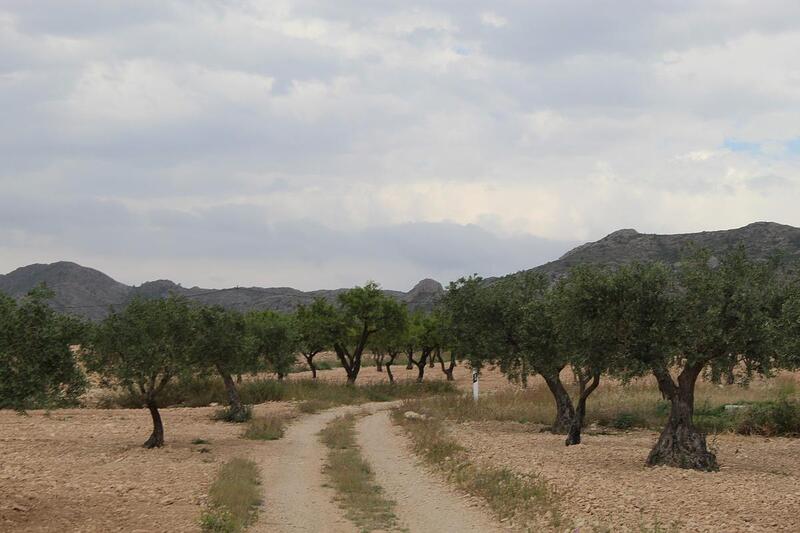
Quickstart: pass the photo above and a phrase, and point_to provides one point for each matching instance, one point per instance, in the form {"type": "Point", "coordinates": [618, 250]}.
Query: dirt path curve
{"type": "Point", "coordinates": [424, 504]}
{"type": "Point", "coordinates": [295, 499]}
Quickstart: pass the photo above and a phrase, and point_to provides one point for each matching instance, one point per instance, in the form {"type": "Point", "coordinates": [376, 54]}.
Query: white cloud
{"type": "Point", "coordinates": [542, 119]}
{"type": "Point", "coordinates": [492, 19]}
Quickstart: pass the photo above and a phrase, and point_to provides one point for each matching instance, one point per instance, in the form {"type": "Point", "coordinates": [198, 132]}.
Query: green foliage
{"type": "Point", "coordinates": [315, 327]}
{"type": "Point", "coordinates": [144, 347]}
{"type": "Point", "coordinates": [723, 312]}
{"type": "Point", "coordinates": [363, 312]}
{"type": "Point", "coordinates": [37, 367]}
{"type": "Point", "coordinates": [273, 339]}
{"type": "Point", "coordinates": [220, 341]}
{"type": "Point", "coordinates": [781, 417]}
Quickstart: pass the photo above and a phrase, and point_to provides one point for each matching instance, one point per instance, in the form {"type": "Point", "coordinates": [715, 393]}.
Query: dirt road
{"type": "Point", "coordinates": [295, 498]}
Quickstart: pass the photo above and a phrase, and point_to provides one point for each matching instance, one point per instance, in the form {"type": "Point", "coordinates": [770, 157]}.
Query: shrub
{"type": "Point", "coordinates": [237, 416]}
{"type": "Point", "coordinates": [627, 420]}
{"type": "Point", "coordinates": [781, 417]}
{"type": "Point", "coordinates": [270, 427]}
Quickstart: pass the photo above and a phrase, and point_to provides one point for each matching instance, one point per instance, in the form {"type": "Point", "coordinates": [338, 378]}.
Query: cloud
{"type": "Point", "coordinates": [243, 140]}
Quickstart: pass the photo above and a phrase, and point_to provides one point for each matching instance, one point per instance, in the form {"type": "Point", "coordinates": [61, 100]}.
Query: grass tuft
{"type": "Point", "coordinates": [269, 427]}
{"type": "Point", "coordinates": [233, 498]}
{"type": "Point", "coordinates": [313, 406]}
{"type": "Point", "coordinates": [362, 500]}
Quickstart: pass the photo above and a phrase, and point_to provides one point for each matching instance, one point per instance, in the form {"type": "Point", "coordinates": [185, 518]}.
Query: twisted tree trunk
{"type": "Point", "coordinates": [448, 371]}
{"type": "Point", "coordinates": [230, 388]}
{"type": "Point", "coordinates": [310, 360]}
{"type": "Point", "coordinates": [574, 435]}
{"type": "Point", "coordinates": [681, 444]}
{"type": "Point", "coordinates": [156, 439]}
{"type": "Point", "coordinates": [565, 412]}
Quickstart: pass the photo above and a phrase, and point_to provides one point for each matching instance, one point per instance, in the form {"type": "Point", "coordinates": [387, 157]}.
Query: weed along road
{"type": "Point", "coordinates": [295, 496]}
{"type": "Point", "coordinates": [424, 503]}
{"type": "Point", "coordinates": [298, 496]}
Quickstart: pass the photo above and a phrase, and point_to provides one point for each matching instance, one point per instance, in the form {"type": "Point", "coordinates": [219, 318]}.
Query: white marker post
{"type": "Point", "coordinates": [475, 384]}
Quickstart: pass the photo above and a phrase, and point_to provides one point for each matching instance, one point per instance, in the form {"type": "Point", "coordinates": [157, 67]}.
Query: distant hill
{"type": "Point", "coordinates": [760, 239]}
{"type": "Point", "coordinates": [89, 293]}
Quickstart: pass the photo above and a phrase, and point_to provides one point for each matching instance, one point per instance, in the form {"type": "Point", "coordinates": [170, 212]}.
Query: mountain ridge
{"type": "Point", "coordinates": [90, 293]}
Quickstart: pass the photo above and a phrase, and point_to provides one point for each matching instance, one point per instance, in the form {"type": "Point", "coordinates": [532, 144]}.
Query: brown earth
{"type": "Point", "coordinates": [85, 469]}
{"type": "Point", "coordinates": [604, 481]}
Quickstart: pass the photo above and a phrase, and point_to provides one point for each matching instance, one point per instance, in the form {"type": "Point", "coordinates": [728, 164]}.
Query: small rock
{"type": "Point", "coordinates": [411, 415]}
{"type": "Point", "coordinates": [213, 404]}
{"type": "Point", "coordinates": [20, 508]}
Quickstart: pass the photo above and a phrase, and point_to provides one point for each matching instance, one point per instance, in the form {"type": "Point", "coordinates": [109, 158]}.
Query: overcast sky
{"type": "Point", "coordinates": [321, 144]}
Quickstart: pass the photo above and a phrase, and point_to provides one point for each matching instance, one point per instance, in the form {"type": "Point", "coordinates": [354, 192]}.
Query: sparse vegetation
{"type": "Point", "coordinates": [196, 392]}
{"type": "Point", "coordinates": [233, 414]}
{"type": "Point", "coordinates": [357, 492]}
{"type": "Point", "coordinates": [767, 409]}
{"type": "Point", "coordinates": [268, 427]}
{"type": "Point", "coordinates": [233, 498]}
{"type": "Point", "coordinates": [521, 498]}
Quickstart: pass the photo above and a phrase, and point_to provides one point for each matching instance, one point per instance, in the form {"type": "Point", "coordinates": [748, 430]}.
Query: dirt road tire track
{"type": "Point", "coordinates": [295, 499]}
{"type": "Point", "coordinates": [424, 503]}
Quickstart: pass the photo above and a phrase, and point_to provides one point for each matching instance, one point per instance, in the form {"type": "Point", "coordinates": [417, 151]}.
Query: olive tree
{"type": "Point", "coordinates": [391, 340]}
{"type": "Point", "coordinates": [362, 312]}
{"type": "Point", "coordinates": [314, 329]}
{"type": "Point", "coordinates": [142, 349]}
{"type": "Point", "coordinates": [272, 337]}
{"type": "Point", "coordinates": [220, 344]}
{"type": "Point", "coordinates": [37, 367]}
{"type": "Point", "coordinates": [702, 317]}
{"type": "Point", "coordinates": [585, 309]}
{"type": "Point", "coordinates": [423, 338]}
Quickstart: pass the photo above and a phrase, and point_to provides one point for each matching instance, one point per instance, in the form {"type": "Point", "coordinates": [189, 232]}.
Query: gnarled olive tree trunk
{"type": "Point", "coordinates": [156, 439]}
{"type": "Point", "coordinates": [586, 387]}
{"type": "Point", "coordinates": [309, 357]}
{"type": "Point", "coordinates": [448, 371]}
{"type": "Point", "coordinates": [681, 444]}
{"type": "Point", "coordinates": [565, 411]}
{"type": "Point", "coordinates": [234, 401]}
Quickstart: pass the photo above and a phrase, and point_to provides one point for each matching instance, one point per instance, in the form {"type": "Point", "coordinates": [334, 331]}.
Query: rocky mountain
{"type": "Point", "coordinates": [760, 239]}
{"type": "Point", "coordinates": [90, 293]}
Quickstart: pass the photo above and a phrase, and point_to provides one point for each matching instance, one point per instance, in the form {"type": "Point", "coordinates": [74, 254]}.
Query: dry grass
{"type": "Point", "coordinates": [521, 498]}
{"type": "Point", "coordinates": [363, 500]}
{"type": "Point", "coordinates": [314, 406]}
{"type": "Point", "coordinates": [268, 427]}
{"type": "Point", "coordinates": [638, 404]}
{"type": "Point", "coordinates": [204, 391]}
{"type": "Point", "coordinates": [233, 498]}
